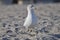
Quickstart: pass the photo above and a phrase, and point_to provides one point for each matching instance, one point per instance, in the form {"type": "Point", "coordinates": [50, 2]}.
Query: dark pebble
{"type": "Point", "coordinates": [3, 35]}
{"type": "Point", "coordinates": [16, 39]}
{"type": "Point", "coordinates": [16, 30]}
{"type": "Point", "coordinates": [44, 22]}
{"type": "Point", "coordinates": [16, 25]}
{"type": "Point", "coordinates": [23, 17]}
{"type": "Point", "coordinates": [5, 39]}
{"type": "Point", "coordinates": [52, 24]}
{"type": "Point", "coordinates": [12, 35]}
{"type": "Point", "coordinates": [19, 16]}
{"type": "Point", "coordinates": [37, 31]}
{"type": "Point", "coordinates": [38, 39]}
{"type": "Point", "coordinates": [9, 31]}
{"type": "Point", "coordinates": [44, 29]}
{"type": "Point", "coordinates": [49, 38]}
{"type": "Point", "coordinates": [56, 17]}
{"type": "Point", "coordinates": [9, 25]}
{"type": "Point", "coordinates": [4, 24]}
{"type": "Point", "coordinates": [55, 35]}
{"type": "Point", "coordinates": [27, 39]}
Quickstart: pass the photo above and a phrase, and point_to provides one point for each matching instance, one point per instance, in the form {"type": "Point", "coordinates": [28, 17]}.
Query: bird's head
{"type": "Point", "coordinates": [29, 7]}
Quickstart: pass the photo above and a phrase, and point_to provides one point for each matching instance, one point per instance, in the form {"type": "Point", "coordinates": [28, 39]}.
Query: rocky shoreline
{"type": "Point", "coordinates": [12, 18]}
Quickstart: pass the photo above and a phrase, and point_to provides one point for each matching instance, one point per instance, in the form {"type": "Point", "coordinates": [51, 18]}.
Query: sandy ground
{"type": "Point", "coordinates": [12, 18]}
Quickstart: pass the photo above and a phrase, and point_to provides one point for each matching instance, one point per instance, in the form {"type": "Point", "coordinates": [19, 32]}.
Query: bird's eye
{"type": "Point", "coordinates": [32, 6]}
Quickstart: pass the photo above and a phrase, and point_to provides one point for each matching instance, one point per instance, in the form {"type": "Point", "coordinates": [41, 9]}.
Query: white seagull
{"type": "Point", "coordinates": [31, 18]}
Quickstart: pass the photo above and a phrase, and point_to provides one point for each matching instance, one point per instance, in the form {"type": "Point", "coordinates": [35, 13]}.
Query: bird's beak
{"type": "Point", "coordinates": [33, 7]}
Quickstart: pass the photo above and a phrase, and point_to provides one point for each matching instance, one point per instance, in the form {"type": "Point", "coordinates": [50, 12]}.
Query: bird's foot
{"type": "Point", "coordinates": [30, 30]}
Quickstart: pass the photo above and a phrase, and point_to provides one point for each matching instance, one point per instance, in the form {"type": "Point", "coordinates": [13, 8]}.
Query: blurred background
{"type": "Point", "coordinates": [28, 1]}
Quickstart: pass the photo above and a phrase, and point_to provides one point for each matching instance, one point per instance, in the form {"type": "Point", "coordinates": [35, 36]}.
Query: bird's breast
{"type": "Point", "coordinates": [28, 20]}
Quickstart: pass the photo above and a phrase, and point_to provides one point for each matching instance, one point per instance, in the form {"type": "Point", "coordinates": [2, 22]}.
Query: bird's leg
{"type": "Point", "coordinates": [26, 29]}
{"type": "Point", "coordinates": [30, 29]}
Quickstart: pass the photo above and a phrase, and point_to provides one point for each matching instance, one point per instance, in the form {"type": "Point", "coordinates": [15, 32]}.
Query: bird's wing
{"type": "Point", "coordinates": [28, 21]}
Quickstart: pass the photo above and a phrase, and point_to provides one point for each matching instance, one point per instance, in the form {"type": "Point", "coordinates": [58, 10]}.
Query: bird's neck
{"type": "Point", "coordinates": [30, 12]}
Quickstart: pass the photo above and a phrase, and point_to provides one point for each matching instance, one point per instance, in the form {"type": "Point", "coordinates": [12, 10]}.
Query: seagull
{"type": "Point", "coordinates": [31, 18]}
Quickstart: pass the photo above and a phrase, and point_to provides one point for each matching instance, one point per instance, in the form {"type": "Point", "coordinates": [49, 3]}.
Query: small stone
{"type": "Point", "coordinates": [23, 17]}
{"type": "Point", "coordinates": [27, 39]}
{"type": "Point", "coordinates": [10, 16]}
{"type": "Point", "coordinates": [36, 32]}
{"type": "Point", "coordinates": [16, 25]}
{"type": "Point", "coordinates": [49, 38]}
{"type": "Point", "coordinates": [4, 24]}
{"type": "Point", "coordinates": [3, 35]}
{"type": "Point", "coordinates": [44, 29]}
{"type": "Point", "coordinates": [9, 31]}
{"type": "Point", "coordinates": [56, 35]}
{"type": "Point", "coordinates": [38, 23]}
{"type": "Point", "coordinates": [11, 34]}
{"type": "Point", "coordinates": [5, 39]}
{"type": "Point", "coordinates": [56, 17]}
{"type": "Point", "coordinates": [44, 22]}
{"type": "Point", "coordinates": [9, 25]}
{"type": "Point", "coordinates": [19, 16]}
{"type": "Point", "coordinates": [37, 38]}
{"type": "Point", "coordinates": [16, 39]}
{"type": "Point", "coordinates": [16, 30]}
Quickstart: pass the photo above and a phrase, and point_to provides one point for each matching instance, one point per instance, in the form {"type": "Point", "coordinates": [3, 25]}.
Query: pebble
{"type": "Point", "coordinates": [56, 17]}
{"type": "Point", "coordinates": [49, 38]}
{"type": "Point", "coordinates": [4, 24]}
{"type": "Point", "coordinates": [16, 30]}
{"type": "Point", "coordinates": [3, 35]}
{"type": "Point", "coordinates": [16, 25]}
{"type": "Point", "coordinates": [9, 31]}
{"type": "Point", "coordinates": [55, 35]}
{"type": "Point", "coordinates": [27, 39]}
{"type": "Point", "coordinates": [44, 29]}
{"type": "Point", "coordinates": [9, 25]}
{"type": "Point", "coordinates": [23, 17]}
{"type": "Point", "coordinates": [5, 39]}
{"type": "Point", "coordinates": [12, 35]}
{"type": "Point", "coordinates": [16, 39]}
{"type": "Point", "coordinates": [38, 39]}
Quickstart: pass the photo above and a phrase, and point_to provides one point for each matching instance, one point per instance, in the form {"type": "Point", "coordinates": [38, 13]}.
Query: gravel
{"type": "Point", "coordinates": [12, 18]}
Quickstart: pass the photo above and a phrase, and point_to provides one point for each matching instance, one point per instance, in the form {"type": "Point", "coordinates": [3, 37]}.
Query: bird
{"type": "Point", "coordinates": [31, 18]}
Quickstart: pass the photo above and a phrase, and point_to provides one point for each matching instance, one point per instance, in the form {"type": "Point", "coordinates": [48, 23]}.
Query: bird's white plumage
{"type": "Point", "coordinates": [31, 18]}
